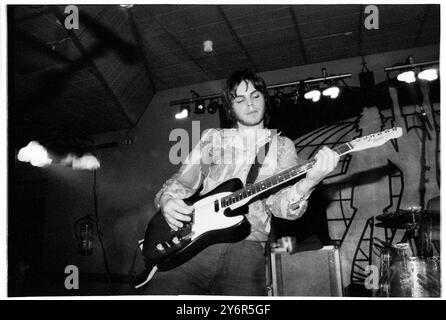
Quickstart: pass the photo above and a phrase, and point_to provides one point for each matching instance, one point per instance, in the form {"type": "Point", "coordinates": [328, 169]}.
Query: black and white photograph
{"type": "Point", "coordinates": [223, 150]}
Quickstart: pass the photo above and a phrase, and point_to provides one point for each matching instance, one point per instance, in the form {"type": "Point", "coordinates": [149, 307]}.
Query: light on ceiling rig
{"type": "Point", "coordinates": [199, 104]}
{"type": "Point", "coordinates": [86, 162]}
{"type": "Point", "coordinates": [213, 106]}
{"type": "Point", "coordinates": [332, 92]}
{"type": "Point", "coordinates": [207, 46]}
{"type": "Point", "coordinates": [408, 72]}
{"type": "Point", "coordinates": [331, 89]}
{"type": "Point", "coordinates": [407, 77]}
{"type": "Point", "coordinates": [184, 112]}
{"type": "Point", "coordinates": [428, 75]}
{"type": "Point", "coordinates": [199, 107]}
{"type": "Point", "coordinates": [313, 95]}
{"type": "Point", "coordinates": [309, 89]}
{"type": "Point", "coordinates": [38, 156]}
{"type": "Point", "coordinates": [35, 154]}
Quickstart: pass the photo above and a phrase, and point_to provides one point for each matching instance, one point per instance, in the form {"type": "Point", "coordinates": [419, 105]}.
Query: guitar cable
{"type": "Point", "coordinates": [137, 281]}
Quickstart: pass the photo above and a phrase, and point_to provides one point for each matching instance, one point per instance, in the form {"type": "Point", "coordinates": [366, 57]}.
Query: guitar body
{"type": "Point", "coordinates": [210, 224]}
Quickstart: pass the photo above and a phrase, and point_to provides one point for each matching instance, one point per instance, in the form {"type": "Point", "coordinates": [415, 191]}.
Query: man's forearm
{"type": "Point", "coordinates": [175, 189]}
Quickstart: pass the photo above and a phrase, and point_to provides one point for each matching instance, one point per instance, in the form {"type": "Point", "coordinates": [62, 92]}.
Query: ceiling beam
{"type": "Point", "coordinates": [422, 23]}
{"type": "Point", "coordinates": [236, 37]}
{"type": "Point", "coordinates": [299, 35]}
{"type": "Point", "coordinates": [95, 68]}
{"type": "Point", "coordinates": [53, 77]}
{"type": "Point", "coordinates": [38, 45]}
{"type": "Point", "coordinates": [36, 14]}
{"type": "Point", "coordinates": [178, 44]}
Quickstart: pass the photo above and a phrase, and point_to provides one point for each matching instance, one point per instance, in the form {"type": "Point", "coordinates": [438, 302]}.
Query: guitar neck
{"type": "Point", "coordinates": [282, 177]}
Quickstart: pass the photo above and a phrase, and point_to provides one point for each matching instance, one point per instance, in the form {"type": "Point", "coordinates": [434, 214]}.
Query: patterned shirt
{"type": "Point", "coordinates": [223, 154]}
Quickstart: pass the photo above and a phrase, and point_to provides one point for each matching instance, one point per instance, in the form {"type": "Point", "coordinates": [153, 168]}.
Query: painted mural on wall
{"type": "Point", "coordinates": [402, 174]}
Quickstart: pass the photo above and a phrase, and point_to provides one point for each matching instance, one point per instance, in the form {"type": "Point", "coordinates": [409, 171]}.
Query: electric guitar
{"type": "Point", "coordinates": [219, 216]}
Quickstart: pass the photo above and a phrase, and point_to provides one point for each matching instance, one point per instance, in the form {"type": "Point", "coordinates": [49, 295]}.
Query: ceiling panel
{"type": "Point", "coordinates": [332, 25]}
{"type": "Point", "coordinates": [248, 13]}
{"type": "Point", "coordinates": [189, 18]}
{"type": "Point", "coordinates": [396, 14]}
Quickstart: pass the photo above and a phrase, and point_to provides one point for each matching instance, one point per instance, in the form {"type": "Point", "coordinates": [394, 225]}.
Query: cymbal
{"type": "Point", "coordinates": [403, 215]}
{"type": "Point", "coordinates": [398, 217]}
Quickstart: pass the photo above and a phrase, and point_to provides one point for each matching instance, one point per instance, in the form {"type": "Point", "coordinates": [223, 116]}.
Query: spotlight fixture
{"type": "Point", "coordinates": [199, 104]}
{"type": "Point", "coordinates": [213, 107]}
{"type": "Point", "coordinates": [313, 95]}
{"type": "Point", "coordinates": [184, 112]}
{"type": "Point", "coordinates": [331, 89]}
{"type": "Point", "coordinates": [199, 107]}
{"type": "Point", "coordinates": [207, 46]}
{"type": "Point", "coordinates": [408, 71]}
{"type": "Point", "coordinates": [86, 162]}
{"type": "Point", "coordinates": [332, 92]}
{"type": "Point", "coordinates": [407, 76]}
{"type": "Point", "coordinates": [428, 75]}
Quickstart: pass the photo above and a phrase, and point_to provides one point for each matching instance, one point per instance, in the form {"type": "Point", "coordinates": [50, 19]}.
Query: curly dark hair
{"type": "Point", "coordinates": [229, 93]}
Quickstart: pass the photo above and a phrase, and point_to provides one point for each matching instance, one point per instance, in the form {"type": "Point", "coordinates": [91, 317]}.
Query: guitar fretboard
{"type": "Point", "coordinates": [277, 179]}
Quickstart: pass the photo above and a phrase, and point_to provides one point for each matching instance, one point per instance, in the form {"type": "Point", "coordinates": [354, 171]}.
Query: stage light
{"type": "Point", "coordinates": [332, 92]}
{"type": "Point", "coordinates": [35, 154]}
{"type": "Point", "coordinates": [213, 106]}
{"type": "Point", "coordinates": [184, 113]}
{"type": "Point", "coordinates": [207, 46]}
{"type": "Point", "coordinates": [126, 5]}
{"type": "Point", "coordinates": [181, 115]}
{"type": "Point", "coordinates": [199, 107]}
{"type": "Point", "coordinates": [428, 74]}
{"type": "Point", "coordinates": [86, 162]}
{"type": "Point", "coordinates": [313, 95]}
{"type": "Point", "coordinates": [408, 77]}
{"type": "Point", "coordinates": [409, 72]}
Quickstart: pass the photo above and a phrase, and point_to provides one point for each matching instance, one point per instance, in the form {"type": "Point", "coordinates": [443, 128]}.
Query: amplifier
{"type": "Point", "coordinates": [305, 273]}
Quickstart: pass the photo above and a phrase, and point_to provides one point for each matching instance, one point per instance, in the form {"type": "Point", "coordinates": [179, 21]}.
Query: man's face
{"type": "Point", "coordinates": [248, 105]}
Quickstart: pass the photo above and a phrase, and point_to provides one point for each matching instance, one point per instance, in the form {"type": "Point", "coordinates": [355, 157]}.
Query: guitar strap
{"type": "Point", "coordinates": [137, 281]}
{"type": "Point", "coordinates": [254, 171]}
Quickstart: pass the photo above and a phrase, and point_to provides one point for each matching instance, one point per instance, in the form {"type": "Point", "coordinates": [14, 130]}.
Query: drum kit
{"type": "Point", "coordinates": [410, 268]}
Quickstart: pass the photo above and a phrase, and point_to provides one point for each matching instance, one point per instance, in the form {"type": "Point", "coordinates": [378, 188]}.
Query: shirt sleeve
{"type": "Point", "coordinates": [288, 203]}
{"type": "Point", "coordinates": [189, 177]}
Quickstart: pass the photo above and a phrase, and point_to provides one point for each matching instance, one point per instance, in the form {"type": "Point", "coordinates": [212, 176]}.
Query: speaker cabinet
{"type": "Point", "coordinates": [306, 273]}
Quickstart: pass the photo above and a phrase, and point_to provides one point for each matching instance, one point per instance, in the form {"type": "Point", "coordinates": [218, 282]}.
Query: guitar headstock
{"type": "Point", "coordinates": [376, 139]}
